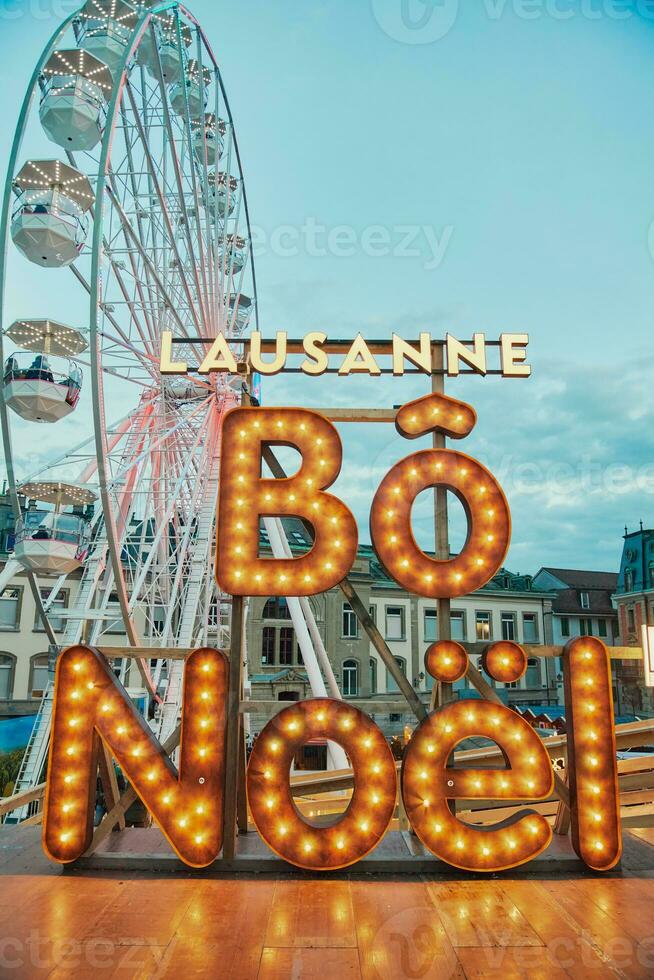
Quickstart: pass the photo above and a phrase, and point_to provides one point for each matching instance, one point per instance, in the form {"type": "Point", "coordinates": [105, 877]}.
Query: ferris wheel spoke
{"type": "Point", "coordinates": [189, 147]}
{"type": "Point", "coordinates": [134, 238]}
{"type": "Point", "coordinates": [158, 442]}
{"type": "Point", "coordinates": [181, 197]}
{"type": "Point", "coordinates": [148, 340]}
{"type": "Point", "coordinates": [135, 195]}
{"type": "Point", "coordinates": [154, 177]}
{"type": "Point", "coordinates": [110, 317]}
{"type": "Point", "coordinates": [113, 263]}
{"type": "Point", "coordinates": [165, 518]}
{"type": "Point", "coordinates": [146, 308]}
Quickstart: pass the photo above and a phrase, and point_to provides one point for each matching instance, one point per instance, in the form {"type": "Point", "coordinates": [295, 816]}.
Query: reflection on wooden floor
{"type": "Point", "coordinates": [349, 926]}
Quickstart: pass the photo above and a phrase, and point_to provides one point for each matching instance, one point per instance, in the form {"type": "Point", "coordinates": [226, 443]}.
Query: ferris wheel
{"type": "Point", "coordinates": [124, 215]}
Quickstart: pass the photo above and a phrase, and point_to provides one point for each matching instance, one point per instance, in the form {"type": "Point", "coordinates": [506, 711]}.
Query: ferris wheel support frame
{"type": "Point", "coordinates": [216, 271]}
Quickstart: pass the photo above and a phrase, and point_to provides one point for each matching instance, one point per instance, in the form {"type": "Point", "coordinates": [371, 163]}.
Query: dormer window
{"type": "Point", "coordinates": [629, 580]}
{"type": "Point", "coordinates": [584, 600]}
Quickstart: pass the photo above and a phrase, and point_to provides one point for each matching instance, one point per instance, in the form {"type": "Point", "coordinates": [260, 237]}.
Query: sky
{"type": "Point", "coordinates": [505, 149]}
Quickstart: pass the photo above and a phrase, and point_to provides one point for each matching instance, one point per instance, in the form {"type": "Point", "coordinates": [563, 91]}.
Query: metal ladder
{"type": "Point", "coordinates": [31, 767]}
{"type": "Point", "coordinates": [34, 759]}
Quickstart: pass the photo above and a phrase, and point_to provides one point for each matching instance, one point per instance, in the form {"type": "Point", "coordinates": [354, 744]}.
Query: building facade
{"type": "Point", "coordinates": [583, 605]}
{"type": "Point", "coordinates": [634, 600]}
{"type": "Point", "coordinates": [510, 607]}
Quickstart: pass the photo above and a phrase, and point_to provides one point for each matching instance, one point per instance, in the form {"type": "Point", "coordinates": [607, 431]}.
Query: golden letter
{"type": "Point", "coordinates": [359, 360]}
{"type": "Point", "coordinates": [89, 702]}
{"type": "Point", "coordinates": [219, 358]}
{"type": "Point", "coordinates": [268, 367]}
{"type": "Point", "coordinates": [317, 360]}
{"type": "Point", "coordinates": [166, 364]}
{"type": "Point", "coordinates": [245, 497]}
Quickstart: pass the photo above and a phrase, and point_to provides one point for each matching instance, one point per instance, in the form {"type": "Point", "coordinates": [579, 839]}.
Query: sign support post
{"type": "Point", "coordinates": [441, 692]}
{"type": "Point", "coordinates": [232, 753]}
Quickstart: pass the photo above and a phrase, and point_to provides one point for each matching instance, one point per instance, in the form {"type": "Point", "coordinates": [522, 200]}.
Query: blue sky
{"type": "Point", "coordinates": [519, 148]}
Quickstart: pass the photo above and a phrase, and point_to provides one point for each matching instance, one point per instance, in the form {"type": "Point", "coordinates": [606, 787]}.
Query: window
{"type": "Point", "coordinates": [7, 666]}
{"type": "Point", "coordinates": [508, 626]}
{"type": "Point", "coordinates": [158, 620]}
{"type": "Point", "coordinates": [483, 625]}
{"type": "Point", "coordinates": [276, 608]}
{"type": "Point", "coordinates": [113, 608]}
{"type": "Point", "coordinates": [585, 627]}
{"type": "Point", "coordinates": [286, 643]}
{"type": "Point", "coordinates": [650, 575]}
{"type": "Point", "coordinates": [530, 627]}
{"type": "Point", "coordinates": [629, 580]}
{"type": "Point", "coordinates": [268, 646]}
{"type": "Point", "coordinates": [533, 676]}
{"type": "Point", "coordinates": [10, 609]}
{"type": "Point", "coordinates": [373, 675]}
{"type": "Point", "coordinates": [601, 627]}
{"type": "Point", "coordinates": [350, 678]}
{"type": "Point", "coordinates": [565, 626]}
{"type": "Point", "coordinates": [390, 683]}
{"type": "Point", "coordinates": [372, 612]}
{"type": "Point", "coordinates": [394, 623]}
{"type": "Point", "coordinates": [59, 602]}
{"type": "Point", "coordinates": [350, 625]}
{"type": "Point", "coordinates": [431, 625]}
{"type": "Point", "coordinates": [631, 620]}
{"type": "Point", "coordinates": [584, 600]}
{"type": "Point", "coordinates": [458, 624]}
{"type": "Point", "coordinates": [38, 675]}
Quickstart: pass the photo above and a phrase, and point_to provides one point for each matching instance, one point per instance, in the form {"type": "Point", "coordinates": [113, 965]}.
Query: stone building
{"type": "Point", "coordinates": [509, 607]}
{"type": "Point", "coordinates": [634, 599]}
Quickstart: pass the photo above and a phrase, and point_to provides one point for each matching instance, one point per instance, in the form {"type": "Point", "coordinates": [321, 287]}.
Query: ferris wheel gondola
{"type": "Point", "coordinates": [133, 219]}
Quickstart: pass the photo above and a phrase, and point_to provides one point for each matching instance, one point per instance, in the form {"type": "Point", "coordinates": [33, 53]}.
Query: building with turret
{"type": "Point", "coordinates": [634, 600]}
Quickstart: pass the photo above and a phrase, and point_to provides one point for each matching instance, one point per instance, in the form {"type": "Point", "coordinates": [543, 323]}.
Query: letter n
{"type": "Point", "coordinates": [90, 704]}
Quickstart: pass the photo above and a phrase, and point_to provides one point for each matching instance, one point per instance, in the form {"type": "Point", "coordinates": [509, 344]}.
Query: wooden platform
{"type": "Point", "coordinates": [398, 854]}
{"type": "Point", "coordinates": [267, 927]}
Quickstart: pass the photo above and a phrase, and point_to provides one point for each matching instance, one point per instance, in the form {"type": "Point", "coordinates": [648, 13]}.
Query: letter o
{"type": "Point", "coordinates": [486, 509]}
{"type": "Point", "coordinates": [369, 813]}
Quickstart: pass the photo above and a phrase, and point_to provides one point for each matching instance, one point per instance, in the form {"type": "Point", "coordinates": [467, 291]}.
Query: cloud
{"type": "Point", "coordinates": [573, 448]}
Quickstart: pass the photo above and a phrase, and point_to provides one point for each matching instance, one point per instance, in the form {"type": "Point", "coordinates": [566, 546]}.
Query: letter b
{"type": "Point", "coordinates": [246, 497]}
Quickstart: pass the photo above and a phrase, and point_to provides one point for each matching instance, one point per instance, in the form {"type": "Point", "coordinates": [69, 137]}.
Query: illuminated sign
{"type": "Point", "coordinates": [360, 356]}
{"type": "Point", "coordinates": [187, 804]}
{"type": "Point", "coordinates": [245, 496]}
{"type": "Point", "coordinates": [90, 704]}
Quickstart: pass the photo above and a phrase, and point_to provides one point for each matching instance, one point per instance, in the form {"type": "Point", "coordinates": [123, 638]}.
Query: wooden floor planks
{"type": "Point", "coordinates": [351, 927]}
